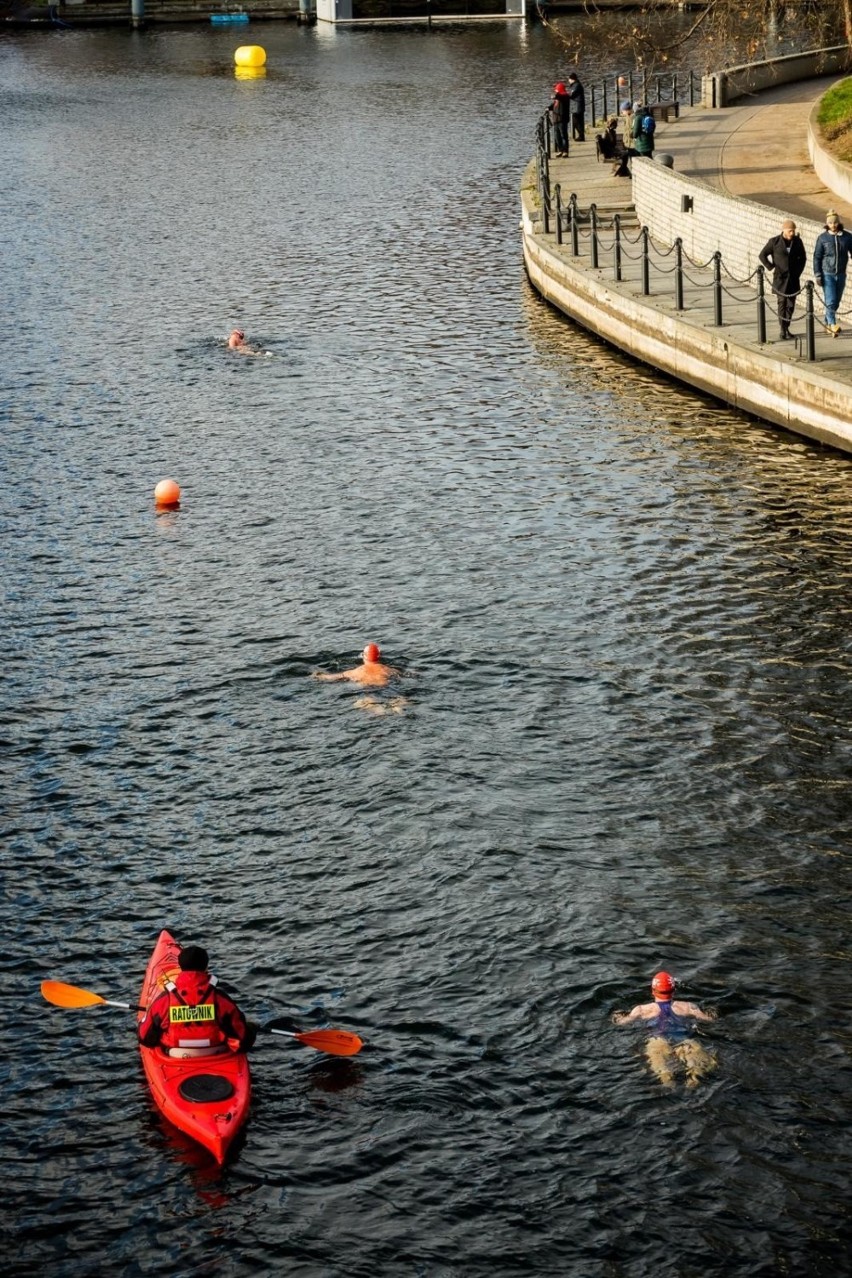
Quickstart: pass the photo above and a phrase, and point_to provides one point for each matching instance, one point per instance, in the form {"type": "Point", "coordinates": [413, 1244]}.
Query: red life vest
{"type": "Point", "coordinates": [191, 1018]}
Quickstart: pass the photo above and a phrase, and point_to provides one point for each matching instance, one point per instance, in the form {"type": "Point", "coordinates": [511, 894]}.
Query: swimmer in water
{"type": "Point", "coordinates": [373, 673]}
{"type": "Point", "coordinates": [237, 342]}
{"type": "Point", "coordinates": [670, 1043]}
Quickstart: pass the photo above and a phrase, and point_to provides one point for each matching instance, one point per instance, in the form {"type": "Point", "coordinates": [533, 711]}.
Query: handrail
{"type": "Point", "coordinates": [568, 215]}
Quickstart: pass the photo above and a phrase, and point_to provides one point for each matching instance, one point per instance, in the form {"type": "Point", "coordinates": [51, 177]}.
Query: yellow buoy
{"type": "Point", "coordinates": [250, 55]}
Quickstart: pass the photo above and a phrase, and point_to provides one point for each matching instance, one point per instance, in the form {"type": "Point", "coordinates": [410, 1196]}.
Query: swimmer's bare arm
{"type": "Point", "coordinates": [682, 1008]}
{"type": "Point", "coordinates": [642, 1012]}
{"type": "Point", "coordinates": [329, 678]}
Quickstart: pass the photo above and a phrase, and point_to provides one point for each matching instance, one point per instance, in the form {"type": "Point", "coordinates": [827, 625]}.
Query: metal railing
{"type": "Point", "coordinates": [605, 97]}
{"type": "Point", "coordinates": [587, 232]}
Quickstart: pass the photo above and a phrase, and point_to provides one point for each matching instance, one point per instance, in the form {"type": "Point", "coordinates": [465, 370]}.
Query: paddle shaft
{"type": "Point", "coordinates": [334, 1042]}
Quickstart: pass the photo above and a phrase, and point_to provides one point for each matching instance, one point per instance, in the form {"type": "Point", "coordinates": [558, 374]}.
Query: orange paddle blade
{"type": "Point", "coordinates": [335, 1042]}
{"type": "Point", "coordinates": [69, 995]}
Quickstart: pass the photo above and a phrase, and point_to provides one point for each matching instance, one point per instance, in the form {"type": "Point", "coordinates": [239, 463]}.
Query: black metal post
{"type": "Point", "coordinates": [674, 86]}
{"type": "Point", "coordinates": [616, 248]}
{"type": "Point", "coordinates": [593, 217]}
{"type": "Point", "coordinates": [717, 289]}
{"type": "Point", "coordinates": [809, 320]}
{"type": "Point", "coordinates": [575, 230]}
{"type": "Point", "coordinates": [605, 112]}
{"type": "Point", "coordinates": [558, 192]}
{"type": "Point", "coordinates": [646, 281]}
{"type": "Point", "coordinates": [548, 132]}
{"type": "Point", "coordinates": [544, 191]}
{"type": "Point", "coordinates": [678, 275]}
{"type": "Point", "coordinates": [761, 306]}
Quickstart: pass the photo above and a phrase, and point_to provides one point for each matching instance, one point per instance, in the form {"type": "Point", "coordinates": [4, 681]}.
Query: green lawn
{"type": "Point", "coordinates": [835, 119]}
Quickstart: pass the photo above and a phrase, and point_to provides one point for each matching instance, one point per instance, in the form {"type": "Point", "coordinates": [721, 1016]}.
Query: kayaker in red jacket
{"type": "Point", "coordinates": [191, 1017]}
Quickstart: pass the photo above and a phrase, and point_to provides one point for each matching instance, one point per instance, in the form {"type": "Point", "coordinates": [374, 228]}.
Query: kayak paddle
{"type": "Point", "coordinates": [72, 996]}
{"type": "Point", "coordinates": [332, 1041]}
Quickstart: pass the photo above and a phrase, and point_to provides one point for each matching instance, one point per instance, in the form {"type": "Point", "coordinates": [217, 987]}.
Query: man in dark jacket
{"type": "Point", "coordinates": [577, 94]}
{"type": "Point", "coordinates": [784, 255]}
{"type": "Point", "coordinates": [831, 258]}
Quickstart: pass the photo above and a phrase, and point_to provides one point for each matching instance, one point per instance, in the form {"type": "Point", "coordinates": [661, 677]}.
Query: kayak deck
{"type": "Point", "coordinates": [207, 1097]}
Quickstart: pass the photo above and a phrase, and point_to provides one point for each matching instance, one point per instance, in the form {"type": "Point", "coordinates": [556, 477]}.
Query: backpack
{"type": "Point", "coordinates": [649, 124]}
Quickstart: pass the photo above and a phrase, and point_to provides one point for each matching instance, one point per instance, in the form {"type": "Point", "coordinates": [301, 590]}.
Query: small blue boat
{"type": "Point", "coordinates": [219, 19]}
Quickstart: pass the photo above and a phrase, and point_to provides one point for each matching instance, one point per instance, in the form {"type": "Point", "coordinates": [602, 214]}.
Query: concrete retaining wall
{"type": "Point", "coordinates": [724, 87]}
{"type": "Point", "coordinates": [796, 396]}
{"type": "Point", "coordinates": [836, 174]}
{"type": "Point", "coordinates": [736, 228]}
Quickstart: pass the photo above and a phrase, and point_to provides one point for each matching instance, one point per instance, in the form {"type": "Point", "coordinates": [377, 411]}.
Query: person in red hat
{"type": "Point", "coordinates": [669, 1020]}
{"type": "Point", "coordinates": [372, 673]}
{"type": "Point", "coordinates": [560, 114]}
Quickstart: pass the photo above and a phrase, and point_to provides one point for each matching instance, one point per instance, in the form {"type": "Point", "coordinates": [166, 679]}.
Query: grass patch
{"type": "Point", "coordinates": [835, 119]}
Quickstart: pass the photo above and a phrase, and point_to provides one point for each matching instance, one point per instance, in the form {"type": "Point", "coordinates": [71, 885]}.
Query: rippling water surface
{"type": "Point", "coordinates": [624, 616]}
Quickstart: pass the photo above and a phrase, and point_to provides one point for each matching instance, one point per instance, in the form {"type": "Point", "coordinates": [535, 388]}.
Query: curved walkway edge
{"type": "Point", "coordinates": [798, 396]}
{"type": "Point", "coordinates": [770, 379]}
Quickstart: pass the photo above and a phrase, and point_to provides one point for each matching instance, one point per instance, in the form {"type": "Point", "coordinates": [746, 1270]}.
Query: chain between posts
{"type": "Point", "coordinates": [554, 205]}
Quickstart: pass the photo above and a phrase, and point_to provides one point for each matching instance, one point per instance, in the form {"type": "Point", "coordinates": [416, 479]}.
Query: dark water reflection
{"type": "Point", "coordinates": [625, 616]}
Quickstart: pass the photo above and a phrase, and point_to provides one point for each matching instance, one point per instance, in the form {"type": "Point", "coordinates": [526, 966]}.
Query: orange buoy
{"type": "Point", "coordinates": [167, 493]}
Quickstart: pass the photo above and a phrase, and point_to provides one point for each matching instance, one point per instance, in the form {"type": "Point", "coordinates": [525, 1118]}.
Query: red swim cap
{"type": "Point", "coordinates": [662, 984]}
{"type": "Point", "coordinates": [372, 652]}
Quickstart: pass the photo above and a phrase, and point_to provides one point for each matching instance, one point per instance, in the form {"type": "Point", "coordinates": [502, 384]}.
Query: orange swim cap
{"type": "Point", "coordinates": [662, 985]}
{"type": "Point", "coordinates": [372, 652]}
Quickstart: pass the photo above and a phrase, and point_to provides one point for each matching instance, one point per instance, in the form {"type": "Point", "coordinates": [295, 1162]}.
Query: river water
{"type": "Point", "coordinates": [623, 613]}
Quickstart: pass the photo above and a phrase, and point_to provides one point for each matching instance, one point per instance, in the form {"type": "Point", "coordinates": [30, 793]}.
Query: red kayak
{"type": "Point", "coordinates": [206, 1096]}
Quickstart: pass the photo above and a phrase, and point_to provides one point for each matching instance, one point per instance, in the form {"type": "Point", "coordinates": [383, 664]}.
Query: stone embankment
{"type": "Point", "coordinates": [684, 295]}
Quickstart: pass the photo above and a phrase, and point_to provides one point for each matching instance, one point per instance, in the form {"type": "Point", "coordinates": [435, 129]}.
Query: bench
{"type": "Point", "coordinates": [664, 111]}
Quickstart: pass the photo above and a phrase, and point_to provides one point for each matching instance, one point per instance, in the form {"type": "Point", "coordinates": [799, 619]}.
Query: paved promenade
{"type": "Point", "coordinates": [756, 150]}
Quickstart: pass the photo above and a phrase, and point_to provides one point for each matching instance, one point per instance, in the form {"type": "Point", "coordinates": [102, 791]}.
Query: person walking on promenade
{"type": "Point", "coordinates": [577, 94]}
{"type": "Point", "coordinates": [785, 256]}
{"type": "Point", "coordinates": [831, 257]}
{"type": "Point", "coordinates": [644, 126]}
{"type": "Point", "coordinates": [560, 110]}
{"type": "Point", "coordinates": [671, 1042]}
